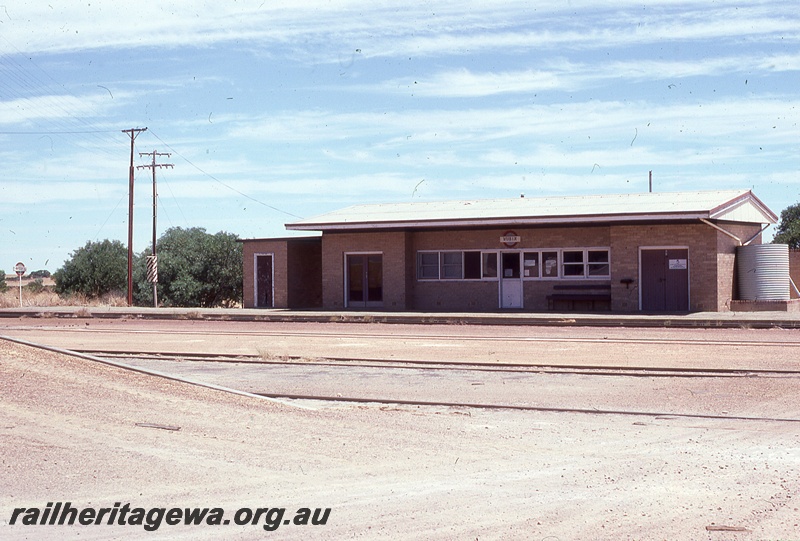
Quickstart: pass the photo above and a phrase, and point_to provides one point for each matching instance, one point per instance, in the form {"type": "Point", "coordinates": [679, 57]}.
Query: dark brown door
{"type": "Point", "coordinates": [364, 280]}
{"type": "Point", "coordinates": [665, 280]}
{"type": "Point", "coordinates": [264, 281]}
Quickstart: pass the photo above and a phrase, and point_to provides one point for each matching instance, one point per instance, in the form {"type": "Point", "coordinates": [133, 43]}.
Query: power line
{"type": "Point", "coordinates": [48, 105]}
{"type": "Point", "coordinates": [215, 179]}
{"type": "Point", "coordinates": [109, 217]}
{"type": "Point", "coordinates": [175, 199]}
{"type": "Point", "coordinates": [53, 132]}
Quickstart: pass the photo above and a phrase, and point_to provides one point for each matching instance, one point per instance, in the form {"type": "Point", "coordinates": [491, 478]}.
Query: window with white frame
{"type": "Point", "coordinates": [552, 264]}
{"type": "Point", "coordinates": [586, 263]}
{"type": "Point", "coordinates": [489, 263]}
{"type": "Point", "coordinates": [457, 265]}
{"type": "Point", "coordinates": [531, 268]}
{"type": "Point", "coordinates": [599, 264]}
{"type": "Point", "coordinates": [573, 264]}
{"type": "Point", "coordinates": [452, 266]}
{"type": "Point", "coordinates": [428, 265]}
{"type": "Point", "coordinates": [566, 263]}
{"type": "Point", "coordinates": [472, 265]}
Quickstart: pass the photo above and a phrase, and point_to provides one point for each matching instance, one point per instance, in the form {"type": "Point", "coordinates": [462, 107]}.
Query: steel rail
{"type": "Point", "coordinates": [469, 405]}
{"type": "Point", "coordinates": [435, 337]}
{"type": "Point", "coordinates": [399, 364]}
{"type": "Point", "coordinates": [281, 397]}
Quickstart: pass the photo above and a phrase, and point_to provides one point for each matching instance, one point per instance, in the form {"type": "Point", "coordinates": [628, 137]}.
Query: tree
{"type": "Point", "coordinates": [789, 227]}
{"type": "Point", "coordinates": [3, 285]}
{"type": "Point", "coordinates": [195, 269]}
{"type": "Point", "coordinates": [97, 269]}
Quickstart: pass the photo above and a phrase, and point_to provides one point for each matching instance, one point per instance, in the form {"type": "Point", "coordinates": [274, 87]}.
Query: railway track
{"type": "Point", "coordinates": [128, 360]}
{"type": "Point", "coordinates": [590, 370]}
{"type": "Point", "coordinates": [650, 340]}
{"type": "Point", "coordinates": [512, 407]}
{"type": "Point", "coordinates": [417, 365]}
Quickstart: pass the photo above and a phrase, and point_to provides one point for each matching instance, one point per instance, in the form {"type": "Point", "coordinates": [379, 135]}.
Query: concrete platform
{"type": "Point", "coordinates": [750, 320]}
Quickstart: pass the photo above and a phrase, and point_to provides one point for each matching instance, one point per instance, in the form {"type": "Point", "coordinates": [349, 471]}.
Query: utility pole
{"type": "Point", "coordinates": [133, 133]}
{"type": "Point", "coordinates": [152, 263]}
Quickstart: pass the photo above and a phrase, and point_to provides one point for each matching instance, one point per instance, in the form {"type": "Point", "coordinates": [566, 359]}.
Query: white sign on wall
{"type": "Point", "coordinates": [510, 239]}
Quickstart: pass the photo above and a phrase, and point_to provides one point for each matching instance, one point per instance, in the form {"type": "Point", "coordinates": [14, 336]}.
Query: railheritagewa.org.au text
{"type": "Point", "coordinates": [153, 518]}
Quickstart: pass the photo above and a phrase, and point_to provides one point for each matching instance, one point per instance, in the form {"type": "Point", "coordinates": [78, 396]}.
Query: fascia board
{"type": "Point", "coordinates": [499, 222]}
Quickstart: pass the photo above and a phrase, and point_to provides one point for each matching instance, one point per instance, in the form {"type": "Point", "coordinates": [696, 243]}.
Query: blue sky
{"type": "Point", "coordinates": [279, 110]}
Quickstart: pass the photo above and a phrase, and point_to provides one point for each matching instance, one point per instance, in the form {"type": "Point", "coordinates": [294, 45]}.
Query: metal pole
{"type": "Point", "coordinates": [20, 290]}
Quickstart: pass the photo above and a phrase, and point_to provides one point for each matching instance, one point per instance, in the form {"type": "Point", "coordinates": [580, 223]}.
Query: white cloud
{"type": "Point", "coordinates": [19, 110]}
{"type": "Point", "coordinates": [464, 83]}
{"type": "Point", "coordinates": [572, 76]}
{"type": "Point", "coordinates": [382, 29]}
{"type": "Point", "coordinates": [574, 26]}
{"type": "Point", "coordinates": [598, 120]}
{"type": "Point", "coordinates": [44, 192]}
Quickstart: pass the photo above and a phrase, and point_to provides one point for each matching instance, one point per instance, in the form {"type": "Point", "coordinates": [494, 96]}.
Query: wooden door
{"type": "Point", "coordinates": [264, 281]}
{"type": "Point", "coordinates": [665, 279]}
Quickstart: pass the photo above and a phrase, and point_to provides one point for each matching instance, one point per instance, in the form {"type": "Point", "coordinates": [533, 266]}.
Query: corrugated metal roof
{"type": "Point", "coordinates": [543, 210]}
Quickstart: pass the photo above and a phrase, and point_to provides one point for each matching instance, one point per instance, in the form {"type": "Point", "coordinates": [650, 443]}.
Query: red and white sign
{"type": "Point", "coordinates": [510, 239]}
{"type": "Point", "coordinates": [20, 269]}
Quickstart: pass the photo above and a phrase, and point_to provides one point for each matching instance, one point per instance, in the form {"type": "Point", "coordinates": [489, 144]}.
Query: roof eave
{"type": "Point", "coordinates": [500, 222]}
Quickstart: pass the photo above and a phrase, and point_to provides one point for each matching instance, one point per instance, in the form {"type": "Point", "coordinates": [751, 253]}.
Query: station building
{"type": "Point", "coordinates": [649, 252]}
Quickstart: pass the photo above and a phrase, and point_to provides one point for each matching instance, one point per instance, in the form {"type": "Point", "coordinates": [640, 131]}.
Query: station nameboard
{"type": "Point", "coordinates": [510, 239]}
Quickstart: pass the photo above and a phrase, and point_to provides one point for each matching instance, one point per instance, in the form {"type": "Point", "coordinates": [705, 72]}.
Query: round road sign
{"type": "Point", "coordinates": [19, 268]}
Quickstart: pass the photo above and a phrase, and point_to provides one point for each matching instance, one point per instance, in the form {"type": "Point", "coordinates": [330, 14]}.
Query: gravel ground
{"type": "Point", "coordinates": [68, 432]}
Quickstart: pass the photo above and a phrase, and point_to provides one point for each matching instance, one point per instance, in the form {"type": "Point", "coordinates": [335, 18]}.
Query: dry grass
{"type": "Point", "coordinates": [10, 299]}
{"type": "Point", "coordinates": [267, 355]}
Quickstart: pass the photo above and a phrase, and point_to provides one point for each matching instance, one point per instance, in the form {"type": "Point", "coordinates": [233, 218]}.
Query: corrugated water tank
{"type": "Point", "coordinates": [762, 272]}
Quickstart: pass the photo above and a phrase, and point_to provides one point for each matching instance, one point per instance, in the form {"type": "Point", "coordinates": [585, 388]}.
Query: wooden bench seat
{"type": "Point", "coordinates": [587, 293]}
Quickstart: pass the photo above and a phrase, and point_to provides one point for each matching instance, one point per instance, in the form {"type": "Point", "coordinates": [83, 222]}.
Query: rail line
{"type": "Point", "coordinates": [421, 403]}
{"type": "Point", "coordinates": [439, 337]}
{"type": "Point", "coordinates": [397, 364]}
{"type": "Point", "coordinates": [515, 407]}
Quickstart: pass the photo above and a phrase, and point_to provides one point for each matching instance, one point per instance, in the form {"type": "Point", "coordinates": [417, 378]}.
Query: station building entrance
{"type": "Point", "coordinates": [664, 279]}
{"type": "Point", "coordinates": [364, 280]}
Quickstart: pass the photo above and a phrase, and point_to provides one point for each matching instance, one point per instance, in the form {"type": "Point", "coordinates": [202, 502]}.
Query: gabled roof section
{"type": "Point", "coordinates": [729, 205]}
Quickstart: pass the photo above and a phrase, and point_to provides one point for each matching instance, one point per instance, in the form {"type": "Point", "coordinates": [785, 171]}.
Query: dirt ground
{"type": "Point", "coordinates": [68, 432]}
